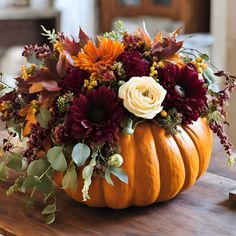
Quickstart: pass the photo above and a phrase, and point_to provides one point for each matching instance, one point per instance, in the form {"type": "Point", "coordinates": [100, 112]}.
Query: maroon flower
{"type": "Point", "coordinates": [185, 91]}
{"type": "Point", "coordinates": [62, 134]}
{"type": "Point", "coordinates": [96, 116]}
{"type": "Point", "coordinates": [134, 64]}
{"type": "Point", "coordinates": [74, 80]}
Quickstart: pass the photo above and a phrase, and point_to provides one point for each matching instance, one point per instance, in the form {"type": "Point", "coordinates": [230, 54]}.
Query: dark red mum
{"type": "Point", "coordinates": [185, 91]}
{"type": "Point", "coordinates": [134, 64]}
{"type": "Point", "coordinates": [74, 80]}
{"type": "Point", "coordinates": [97, 116]}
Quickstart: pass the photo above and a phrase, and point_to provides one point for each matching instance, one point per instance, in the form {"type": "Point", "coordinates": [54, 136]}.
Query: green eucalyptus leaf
{"type": "Point", "coordinates": [57, 159]}
{"type": "Point", "coordinates": [3, 171]}
{"type": "Point", "coordinates": [70, 179]}
{"type": "Point", "coordinates": [15, 162]}
{"type": "Point", "coordinates": [128, 131]}
{"type": "Point", "coordinates": [108, 176]}
{"type": "Point", "coordinates": [50, 219]}
{"type": "Point", "coordinates": [44, 117]}
{"type": "Point", "coordinates": [49, 209]}
{"type": "Point", "coordinates": [80, 153]}
{"type": "Point", "coordinates": [30, 182]}
{"type": "Point", "coordinates": [208, 74]}
{"type": "Point", "coordinates": [45, 185]}
{"type": "Point", "coordinates": [120, 174]}
{"type": "Point", "coordinates": [205, 57]}
{"type": "Point", "coordinates": [37, 167]}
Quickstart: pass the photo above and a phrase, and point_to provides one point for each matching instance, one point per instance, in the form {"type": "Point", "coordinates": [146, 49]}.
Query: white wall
{"type": "Point", "coordinates": [76, 13]}
{"type": "Point", "coordinates": [224, 31]}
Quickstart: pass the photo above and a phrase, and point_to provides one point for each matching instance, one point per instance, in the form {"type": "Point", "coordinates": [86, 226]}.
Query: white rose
{"type": "Point", "coordinates": [142, 96]}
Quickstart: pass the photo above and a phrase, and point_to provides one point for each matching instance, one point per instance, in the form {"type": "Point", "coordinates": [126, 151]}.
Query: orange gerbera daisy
{"type": "Point", "coordinates": [93, 58]}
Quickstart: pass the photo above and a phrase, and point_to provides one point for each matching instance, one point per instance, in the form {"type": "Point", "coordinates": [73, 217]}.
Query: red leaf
{"type": "Point", "coordinates": [83, 38]}
{"type": "Point", "coordinates": [166, 49]}
{"type": "Point", "coordinates": [73, 47]}
{"type": "Point", "coordinates": [47, 72]}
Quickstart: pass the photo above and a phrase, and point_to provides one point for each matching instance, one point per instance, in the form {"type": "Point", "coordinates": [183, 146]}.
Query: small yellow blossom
{"type": "Point", "coordinates": [58, 46]}
{"type": "Point", "coordinates": [26, 72]}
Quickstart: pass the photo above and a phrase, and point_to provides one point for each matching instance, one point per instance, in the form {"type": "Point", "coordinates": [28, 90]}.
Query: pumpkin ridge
{"type": "Point", "coordinates": [190, 157]}
{"type": "Point", "coordinates": [202, 137]}
{"type": "Point", "coordinates": [148, 188]}
{"type": "Point", "coordinates": [170, 159]}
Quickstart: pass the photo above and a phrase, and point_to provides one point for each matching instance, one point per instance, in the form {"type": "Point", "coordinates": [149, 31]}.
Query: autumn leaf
{"type": "Point", "coordinates": [175, 59]}
{"type": "Point", "coordinates": [35, 88]}
{"type": "Point", "coordinates": [73, 47]}
{"type": "Point", "coordinates": [48, 72]}
{"type": "Point", "coordinates": [29, 112]}
{"type": "Point", "coordinates": [167, 48]}
{"type": "Point", "coordinates": [146, 38]}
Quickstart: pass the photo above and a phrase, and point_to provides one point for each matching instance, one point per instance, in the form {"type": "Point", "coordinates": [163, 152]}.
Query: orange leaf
{"type": "Point", "coordinates": [175, 59]}
{"type": "Point", "coordinates": [37, 87]}
{"type": "Point", "coordinates": [27, 128]}
{"type": "Point", "coordinates": [31, 119]}
{"type": "Point", "coordinates": [24, 111]}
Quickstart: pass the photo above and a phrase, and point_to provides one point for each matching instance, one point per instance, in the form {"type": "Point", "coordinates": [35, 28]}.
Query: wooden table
{"type": "Point", "coordinates": [202, 210]}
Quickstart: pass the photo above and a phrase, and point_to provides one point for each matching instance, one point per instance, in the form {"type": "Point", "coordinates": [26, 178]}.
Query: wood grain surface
{"type": "Point", "coordinates": [202, 210]}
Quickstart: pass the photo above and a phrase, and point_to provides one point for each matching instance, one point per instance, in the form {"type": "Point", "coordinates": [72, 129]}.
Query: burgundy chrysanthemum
{"type": "Point", "coordinates": [96, 116]}
{"type": "Point", "coordinates": [74, 80]}
{"type": "Point", "coordinates": [185, 91]}
{"type": "Point", "coordinates": [134, 64]}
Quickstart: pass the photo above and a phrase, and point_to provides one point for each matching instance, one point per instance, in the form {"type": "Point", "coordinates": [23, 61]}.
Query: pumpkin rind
{"type": "Point", "coordinates": [159, 166]}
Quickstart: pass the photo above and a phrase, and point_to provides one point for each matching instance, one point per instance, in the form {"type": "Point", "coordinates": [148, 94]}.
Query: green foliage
{"type": "Point", "coordinates": [44, 117]}
{"type": "Point", "coordinates": [15, 187]}
{"type": "Point", "coordinates": [15, 162]}
{"type": "Point", "coordinates": [128, 127]}
{"type": "Point", "coordinates": [30, 182]}
{"type": "Point", "coordinates": [70, 179]}
{"type": "Point", "coordinates": [50, 219]}
{"type": "Point", "coordinates": [108, 176]}
{"type": "Point", "coordinates": [120, 174]}
{"type": "Point", "coordinates": [49, 209]}
{"type": "Point", "coordinates": [57, 159]}
{"type": "Point", "coordinates": [51, 35]}
{"type": "Point", "coordinates": [45, 185]}
{"type": "Point", "coordinates": [171, 122]}
{"type": "Point", "coordinates": [4, 89]}
{"type": "Point", "coordinates": [118, 33]}
{"type": "Point", "coordinates": [38, 167]}
{"type": "Point", "coordinates": [63, 102]}
{"type": "Point", "coordinates": [3, 171]}
{"type": "Point", "coordinates": [80, 153]}
{"type": "Point", "coordinates": [205, 57]}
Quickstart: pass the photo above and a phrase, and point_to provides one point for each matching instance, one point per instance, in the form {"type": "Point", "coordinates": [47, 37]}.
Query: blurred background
{"type": "Point", "coordinates": [211, 22]}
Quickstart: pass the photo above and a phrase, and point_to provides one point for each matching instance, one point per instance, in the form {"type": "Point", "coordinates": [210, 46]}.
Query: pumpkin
{"type": "Point", "coordinates": [158, 165]}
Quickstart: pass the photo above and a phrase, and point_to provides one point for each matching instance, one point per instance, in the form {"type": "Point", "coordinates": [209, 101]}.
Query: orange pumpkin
{"type": "Point", "coordinates": [159, 166]}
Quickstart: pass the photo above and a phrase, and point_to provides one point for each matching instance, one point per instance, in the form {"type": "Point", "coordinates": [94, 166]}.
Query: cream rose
{"type": "Point", "coordinates": [142, 96]}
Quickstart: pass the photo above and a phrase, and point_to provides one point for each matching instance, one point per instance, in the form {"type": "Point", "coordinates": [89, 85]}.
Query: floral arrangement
{"type": "Point", "coordinates": [73, 99]}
